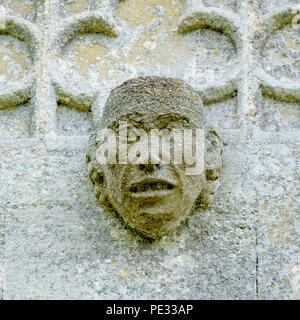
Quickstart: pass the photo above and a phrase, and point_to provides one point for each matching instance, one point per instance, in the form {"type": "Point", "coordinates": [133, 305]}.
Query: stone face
{"type": "Point", "coordinates": [153, 194]}
{"type": "Point", "coordinates": [59, 61]}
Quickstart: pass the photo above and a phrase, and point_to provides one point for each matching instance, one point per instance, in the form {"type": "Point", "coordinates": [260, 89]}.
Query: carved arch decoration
{"type": "Point", "coordinates": [214, 19]}
{"type": "Point", "coordinates": [82, 96]}
{"type": "Point", "coordinates": [18, 92]}
{"type": "Point", "coordinates": [287, 90]}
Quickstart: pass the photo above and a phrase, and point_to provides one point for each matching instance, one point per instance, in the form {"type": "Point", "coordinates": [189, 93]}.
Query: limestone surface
{"type": "Point", "coordinates": [59, 61]}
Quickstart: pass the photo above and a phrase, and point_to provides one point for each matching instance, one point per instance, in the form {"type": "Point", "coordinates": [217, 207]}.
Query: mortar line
{"type": "Point", "coordinates": [247, 90]}
{"type": "Point", "coordinates": [4, 255]}
{"type": "Point", "coordinates": [256, 263]}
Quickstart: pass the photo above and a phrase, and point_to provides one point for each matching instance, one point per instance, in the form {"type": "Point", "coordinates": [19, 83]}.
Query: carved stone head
{"type": "Point", "coordinates": [154, 197]}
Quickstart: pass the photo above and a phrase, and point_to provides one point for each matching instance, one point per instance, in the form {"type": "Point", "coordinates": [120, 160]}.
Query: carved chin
{"type": "Point", "coordinates": [157, 219]}
{"type": "Point", "coordinates": [154, 226]}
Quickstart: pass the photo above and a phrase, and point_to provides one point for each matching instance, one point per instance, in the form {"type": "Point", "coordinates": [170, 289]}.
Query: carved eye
{"type": "Point", "coordinates": [211, 175]}
{"type": "Point", "coordinates": [96, 177]}
{"type": "Point", "coordinates": [99, 179]}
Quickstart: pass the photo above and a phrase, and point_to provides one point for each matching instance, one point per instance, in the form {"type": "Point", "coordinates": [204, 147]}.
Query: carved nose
{"type": "Point", "coordinates": [148, 167]}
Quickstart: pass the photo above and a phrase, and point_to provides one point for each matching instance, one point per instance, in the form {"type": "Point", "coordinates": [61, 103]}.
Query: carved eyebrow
{"type": "Point", "coordinates": [133, 118]}
{"type": "Point", "coordinates": [173, 117]}
{"type": "Point", "coordinates": [138, 118]}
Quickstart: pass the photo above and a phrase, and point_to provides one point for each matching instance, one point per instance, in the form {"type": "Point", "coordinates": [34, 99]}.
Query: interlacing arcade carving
{"type": "Point", "coordinates": [82, 95]}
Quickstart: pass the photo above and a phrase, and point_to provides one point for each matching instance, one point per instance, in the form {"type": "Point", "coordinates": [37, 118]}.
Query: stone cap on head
{"type": "Point", "coordinates": [148, 95]}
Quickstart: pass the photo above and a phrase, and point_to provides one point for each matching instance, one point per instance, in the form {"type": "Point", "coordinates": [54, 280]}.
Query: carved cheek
{"type": "Point", "coordinates": [193, 185]}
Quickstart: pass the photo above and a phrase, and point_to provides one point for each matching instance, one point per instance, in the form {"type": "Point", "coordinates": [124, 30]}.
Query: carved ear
{"type": "Point", "coordinates": [98, 181]}
{"type": "Point", "coordinates": [96, 173]}
{"type": "Point", "coordinates": [213, 166]}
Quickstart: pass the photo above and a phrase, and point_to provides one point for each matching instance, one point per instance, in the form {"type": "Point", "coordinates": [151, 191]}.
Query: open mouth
{"type": "Point", "coordinates": [152, 187]}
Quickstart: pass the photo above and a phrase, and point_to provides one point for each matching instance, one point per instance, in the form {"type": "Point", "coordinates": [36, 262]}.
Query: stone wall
{"type": "Point", "coordinates": [59, 58]}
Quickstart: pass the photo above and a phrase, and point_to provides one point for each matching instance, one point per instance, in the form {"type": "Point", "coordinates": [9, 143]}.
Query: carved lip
{"type": "Point", "coordinates": [152, 187]}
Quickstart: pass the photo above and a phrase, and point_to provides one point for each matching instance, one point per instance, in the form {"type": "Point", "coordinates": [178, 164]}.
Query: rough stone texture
{"type": "Point", "coordinates": [55, 242]}
{"type": "Point", "coordinates": [71, 249]}
{"type": "Point", "coordinates": [154, 198]}
{"type": "Point", "coordinates": [2, 252]}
